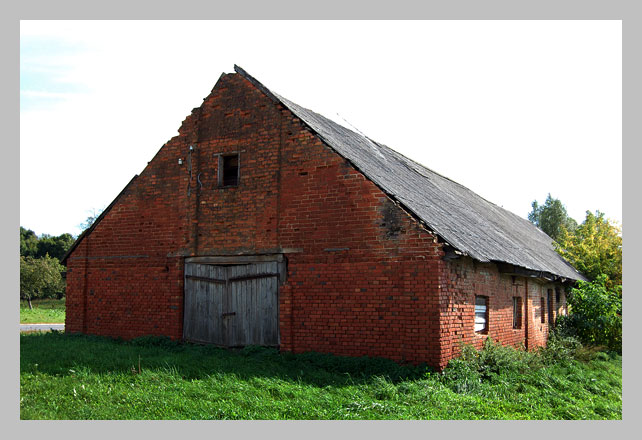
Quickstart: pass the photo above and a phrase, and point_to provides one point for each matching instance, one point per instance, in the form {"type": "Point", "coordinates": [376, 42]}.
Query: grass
{"type": "Point", "coordinates": [44, 311]}
{"type": "Point", "coordinates": [87, 377]}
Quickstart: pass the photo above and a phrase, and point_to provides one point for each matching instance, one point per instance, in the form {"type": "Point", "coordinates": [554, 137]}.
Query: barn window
{"type": "Point", "coordinates": [481, 314]}
{"type": "Point", "coordinates": [517, 312]}
{"type": "Point", "coordinates": [228, 169]}
{"type": "Point", "coordinates": [543, 307]}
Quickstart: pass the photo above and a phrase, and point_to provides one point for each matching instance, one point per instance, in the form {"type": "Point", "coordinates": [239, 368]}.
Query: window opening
{"type": "Point", "coordinates": [517, 312]}
{"type": "Point", "coordinates": [481, 314]}
{"type": "Point", "coordinates": [228, 170]}
{"type": "Point", "coordinates": [549, 303]}
{"type": "Point", "coordinates": [542, 305]}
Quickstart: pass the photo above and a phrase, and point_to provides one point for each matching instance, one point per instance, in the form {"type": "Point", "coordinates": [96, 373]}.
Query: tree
{"type": "Point", "coordinates": [56, 247]}
{"type": "Point", "coordinates": [594, 248]}
{"type": "Point", "coordinates": [551, 217]}
{"type": "Point", "coordinates": [28, 242]}
{"type": "Point", "coordinates": [91, 218]}
{"type": "Point", "coordinates": [595, 313]}
{"type": "Point", "coordinates": [40, 278]}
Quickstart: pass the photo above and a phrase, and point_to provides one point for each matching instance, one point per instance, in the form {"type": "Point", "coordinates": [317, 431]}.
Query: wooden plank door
{"type": "Point", "coordinates": [233, 305]}
{"type": "Point", "coordinates": [253, 297]}
{"type": "Point", "coordinates": [204, 303]}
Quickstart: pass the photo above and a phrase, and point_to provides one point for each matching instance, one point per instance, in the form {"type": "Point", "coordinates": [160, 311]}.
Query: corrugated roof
{"type": "Point", "coordinates": [466, 221]}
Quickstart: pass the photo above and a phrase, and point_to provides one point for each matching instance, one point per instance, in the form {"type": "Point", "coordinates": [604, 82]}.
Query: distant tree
{"type": "Point", "coordinates": [28, 242]}
{"type": "Point", "coordinates": [594, 248]}
{"type": "Point", "coordinates": [91, 218]}
{"type": "Point", "coordinates": [40, 278]}
{"type": "Point", "coordinates": [56, 247]}
{"type": "Point", "coordinates": [551, 217]}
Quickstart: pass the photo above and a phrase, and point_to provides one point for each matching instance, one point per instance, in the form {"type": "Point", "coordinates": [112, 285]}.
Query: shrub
{"type": "Point", "coordinates": [462, 376]}
{"type": "Point", "coordinates": [595, 313]}
{"type": "Point", "coordinates": [561, 346]}
{"type": "Point", "coordinates": [473, 367]}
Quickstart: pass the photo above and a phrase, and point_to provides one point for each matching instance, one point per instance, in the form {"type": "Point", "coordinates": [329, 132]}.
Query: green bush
{"type": "Point", "coordinates": [595, 314]}
{"type": "Point", "coordinates": [493, 362]}
{"type": "Point", "coordinates": [462, 376]}
{"type": "Point", "coordinates": [561, 346]}
{"type": "Point", "coordinates": [497, 359]}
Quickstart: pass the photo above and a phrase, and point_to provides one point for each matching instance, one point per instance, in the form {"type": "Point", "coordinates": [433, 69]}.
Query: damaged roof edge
{"type": "Point", "coordinates": [256, 83]}
{"type": "Point", "coordinates": [87, 231]}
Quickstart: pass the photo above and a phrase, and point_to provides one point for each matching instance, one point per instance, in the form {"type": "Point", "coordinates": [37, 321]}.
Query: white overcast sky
{"type": "Point", "coordinates": [511, 109]}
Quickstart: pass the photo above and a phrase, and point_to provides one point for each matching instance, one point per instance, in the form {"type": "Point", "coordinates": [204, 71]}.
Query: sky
{"type": "Point", "coordinates": [513, 110]}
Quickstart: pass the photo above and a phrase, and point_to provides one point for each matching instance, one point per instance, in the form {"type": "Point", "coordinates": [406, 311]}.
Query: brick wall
{"type": "Point", "coordinates": [363, 279]}
{"type": "Point", "coordinates": [466, 278]}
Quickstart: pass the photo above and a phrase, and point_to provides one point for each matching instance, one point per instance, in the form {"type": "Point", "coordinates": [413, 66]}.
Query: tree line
{"type": "Point", "coordinates": [41, 274]}
{"type": "Point", "coordinates": [40, 268]}
{"type": "Point", "coordinates": [593, 247]}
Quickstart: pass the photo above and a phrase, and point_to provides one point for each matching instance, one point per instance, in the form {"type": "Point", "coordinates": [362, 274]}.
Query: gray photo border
{"type": "Point", "coordinates": [627, 11]}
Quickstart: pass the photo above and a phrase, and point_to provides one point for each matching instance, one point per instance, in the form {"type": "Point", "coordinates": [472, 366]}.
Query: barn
{"type": "Point", "coordinates": [265, 223]}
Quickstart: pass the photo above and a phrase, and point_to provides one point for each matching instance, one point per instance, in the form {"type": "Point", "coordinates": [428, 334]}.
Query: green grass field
{"type": "Point", "coordinates": [86, 377]}
{"type": "Point", "coordinates": [44, 311]}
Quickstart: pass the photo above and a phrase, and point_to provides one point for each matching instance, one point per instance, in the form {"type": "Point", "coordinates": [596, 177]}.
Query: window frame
{"type": "Point", "coordinates": [221, 169]}
{"type": "Point", "coordinates": [517, 312]}
{"type": "Point", "coordinates": [486, 301]}
{"type": "Point", "coordinates": [542, 305]}
{"type": "Point", "coordinates": [550, 311]}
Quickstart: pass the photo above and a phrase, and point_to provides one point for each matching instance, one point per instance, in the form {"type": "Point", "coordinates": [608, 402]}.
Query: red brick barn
{"type": "Point", "coordinates": [265, 223]}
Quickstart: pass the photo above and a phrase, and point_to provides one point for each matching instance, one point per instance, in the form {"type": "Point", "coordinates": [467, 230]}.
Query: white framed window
{"type": "Point", "coordinates": [481, 314]}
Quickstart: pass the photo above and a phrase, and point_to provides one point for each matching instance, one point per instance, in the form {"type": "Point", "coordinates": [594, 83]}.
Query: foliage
{"type": "Point", "coordinates": [28, 242]}
{"type": "Point", "coordinates": [493, 362]}
{"type": "Point", "coordinates": [551, 217]}
{"type": "Point", "coordinates": [594, 248]}
{"type": "Point", "coordinates": [561, 346]}
{"type": "Point", "coordinates": [65, 376]}
{"type": "Point", "coordinates": [55, 247]}
{"type": "Point", "coordinates": [595, 313]}
{"type": "Point", "coordinates": [91, 218]}
{"type": "Point", "coordinates": [43, 311]}
{"type": "Point", "coordinates": [37, 247]}
{"type": "Point", "coordinates": [40, 268]}
{"type": "Point", "coordinates": [40, 278]}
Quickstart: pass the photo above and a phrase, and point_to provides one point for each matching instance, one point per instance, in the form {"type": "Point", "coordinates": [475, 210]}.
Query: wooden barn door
{"type": "Point", "coordinates": [232, 305]}
{"type": "Point", "coordinates": [204, 303]}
